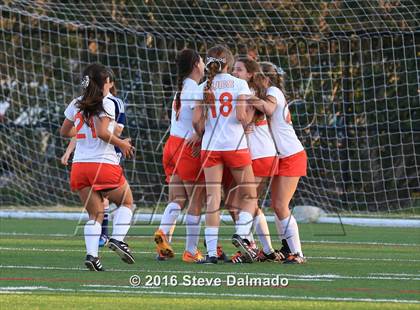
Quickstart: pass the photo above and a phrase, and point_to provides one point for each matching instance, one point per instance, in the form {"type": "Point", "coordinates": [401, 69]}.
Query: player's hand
{"type": "Point", "coordinates": [195, 143]}
{"type": "Point", "coordinates": [249, 128]}
{"type": "Point", "coordinates": [65, 159]}
{"type": "Point", "coordinates": [127, 149]}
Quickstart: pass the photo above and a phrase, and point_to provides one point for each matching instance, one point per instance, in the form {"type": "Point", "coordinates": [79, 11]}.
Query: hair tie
{"type": "Point", "coordinates": [279, 70]}
{"type": "Point", "coordinates": [210, 60]}
{"type": "Point", "coordinates": [85, 82]}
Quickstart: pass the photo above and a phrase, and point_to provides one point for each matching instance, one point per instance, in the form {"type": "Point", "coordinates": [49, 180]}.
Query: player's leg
{"type": "Point", "coordinates": [196, 197]}
{"type": "Point", "coordinates": [163, 235]}
{"type": "Point", "coordinates": [282, 191]}
{"type": "Point", "coordinates": [122, 197]}
{"type": "Point", "coordinates": [103, 240]}
{"type": "Point", "coordinates": [244, 177]}
{"type": "Point", "coordinates": [213, 177]}
{"type": "Point", "coordinates": [261, 226]}
{"type": "Point", "coordinates": [92, 201]}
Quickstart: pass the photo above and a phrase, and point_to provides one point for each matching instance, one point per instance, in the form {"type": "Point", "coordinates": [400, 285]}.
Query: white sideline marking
{"type": "Point", "coordinates": [155, 218]}
{"type": "Point", "coordinates": [39, 288]}
{"type": "Point", "coordinates": [361, 242]}
{"type": "Point", "coordinates": [30, 234]}
{"type": "Point", "coordinates": [149, 252]}
{"type": "Point", "coordinates": [365, 259]}
{"type": "Point", "coordinates": [292, 276]}
{"type": "Point", "coordinates": [221, 239]}
{"type": "Point", "coordinates": [120, 286]}
{"type": "Point", "coordinates": [397, 274]}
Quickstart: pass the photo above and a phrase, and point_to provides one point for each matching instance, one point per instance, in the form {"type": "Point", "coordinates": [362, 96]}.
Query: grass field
{"type": "Point", "coordinates": [41, 266]}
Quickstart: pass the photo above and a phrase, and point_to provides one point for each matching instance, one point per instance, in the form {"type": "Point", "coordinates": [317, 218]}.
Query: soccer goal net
{"type": "Point", "coordinates": [352, 80]}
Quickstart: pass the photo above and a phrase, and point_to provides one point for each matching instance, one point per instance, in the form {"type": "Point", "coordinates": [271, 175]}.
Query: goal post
{"type": "Point", "coordinates": [352, 82]}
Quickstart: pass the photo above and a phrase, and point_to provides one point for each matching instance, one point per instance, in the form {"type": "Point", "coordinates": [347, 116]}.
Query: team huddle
{"type": "Point", "coordinates": [231, 137]}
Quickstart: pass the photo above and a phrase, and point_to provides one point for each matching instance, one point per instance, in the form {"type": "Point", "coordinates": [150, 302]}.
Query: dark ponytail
{"type": "Point", "coordinates": [185, 62]}
{"type": "Point", "coordinates": [93, 81]}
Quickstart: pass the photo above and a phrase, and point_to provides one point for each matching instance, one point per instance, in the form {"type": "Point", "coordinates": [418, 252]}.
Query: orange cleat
{"type": "Point", "coordinates": [162, 245]}
{"type": "Point", "coordinates": [189, 258]}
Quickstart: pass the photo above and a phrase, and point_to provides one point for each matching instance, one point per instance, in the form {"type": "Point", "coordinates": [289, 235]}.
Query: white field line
{"type": "Point", "coordinates": [365, 259]}
{"type": "Point", "coordinates": [207, 294]}
{"type": "Point", "coordinates": [396, 274]}
{"type": "Point", "coordinates": [155, 218]}
{"type": "Point", "coordinates": [120, 286]}
{"type": "Point", "coordinates": [221, 239]}
{"type": "Point", "coordinates": [150, 252]}
{"type": "Point", "coordinates": [292, 276]}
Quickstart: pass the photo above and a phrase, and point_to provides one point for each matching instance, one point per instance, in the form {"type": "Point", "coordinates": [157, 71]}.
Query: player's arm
{"type": "Point", "coordinates": [250, 112]}
{"type": "Point", "coordinates": [199, 118]}
{"type": "Point", "coordinates": [101, 125]}
{"type": "Point", "coordinates": [70, 148]}
{"type": "Point", "coordinates": [118, 130]}
{"type": "Point", "coordinates": [267, 106]}
{"type": "Point", "coordinates": [67, 129]}
{"type": "Point", "coordinates": [241, 110]}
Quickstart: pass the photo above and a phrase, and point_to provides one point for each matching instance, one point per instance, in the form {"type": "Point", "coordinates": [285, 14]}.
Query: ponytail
{"type": "Point", "coordinates": [94, 79]}
{"type": "Point", "coordinates": [218, 57]}
{"type": "Point", "coordinates": [186, 61]}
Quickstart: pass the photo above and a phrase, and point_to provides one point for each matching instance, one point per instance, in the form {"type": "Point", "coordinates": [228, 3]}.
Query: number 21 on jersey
{"type": "Point", "coordinates": [79, 126]}
{"type": "Point", "coordinates": [225, 100]}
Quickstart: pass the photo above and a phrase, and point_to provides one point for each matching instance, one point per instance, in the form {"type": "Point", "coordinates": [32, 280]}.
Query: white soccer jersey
{"type": "Point", "coordinates": [281, 124]}
{"type": "Point", "coordinates": [89, 147]}
{"type": "Point", "coordinates": [260, 141]}
{"type": "Point", "coordinates": [183, 127]}
{"type": "Point", "coordinates": [223, 132]}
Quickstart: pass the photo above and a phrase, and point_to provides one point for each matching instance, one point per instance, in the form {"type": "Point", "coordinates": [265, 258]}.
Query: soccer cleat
{"type": "Point", "coordinates": [244, 246]}
{"type": "Point", "coordinates": [160, 257]}
{"type": "Point", "coordinates": [93, 263]}
{"type": "Point", "coordinates": [285, 250]}
{"type": "Point", "coordinates": [295, 259]}
{"type": "Point", "coordinates": [239, 258]}
{"type": "Point", "coordinates": [275, 256]}
{"type": "Point", "coordinates": [103, 241]}
{"type": "Point", "coordinates": [122, 249]}
{"type": "Point", "coordinates": [189, 258]}
{"type": "Point", "coordinates": [162, 245]}
{"type": "Point", "coordinates": [208, 260]}
{"type": "Point", "coordinates": [220, 254]}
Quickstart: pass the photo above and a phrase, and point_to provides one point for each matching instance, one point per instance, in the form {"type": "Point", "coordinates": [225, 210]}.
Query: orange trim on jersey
{"type": "Point", "coordinates": [261, 122]}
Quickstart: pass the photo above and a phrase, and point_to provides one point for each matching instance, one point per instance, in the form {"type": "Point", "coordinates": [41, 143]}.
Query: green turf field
{"type": "Point", "coordinates": [349, 267]}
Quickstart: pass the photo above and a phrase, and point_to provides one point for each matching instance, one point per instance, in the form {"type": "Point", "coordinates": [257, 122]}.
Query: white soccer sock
{"type": "Point", "coordinates": [193, 233]}
{"type": "Point", "coordinates": [251, 238]}
{"type": "Point", "coordinates": [263, 233]}
{"type": "Point", "coordinates": [171, 233]}
{"type": "Point", "coordinates": [211, 235]}
{"type": "Point", "coordinates": [291, 234]}
{"type": "Point", "coordinates": [244, 224]}
{"type": "Point", "coordinates": [169, 218]}
{"type": "Point", "coordinates": [92, 234]}
{"type": "Point", "coordinates": [121, 223]}
{"type": "Point", "coordinates": [279, 227]}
